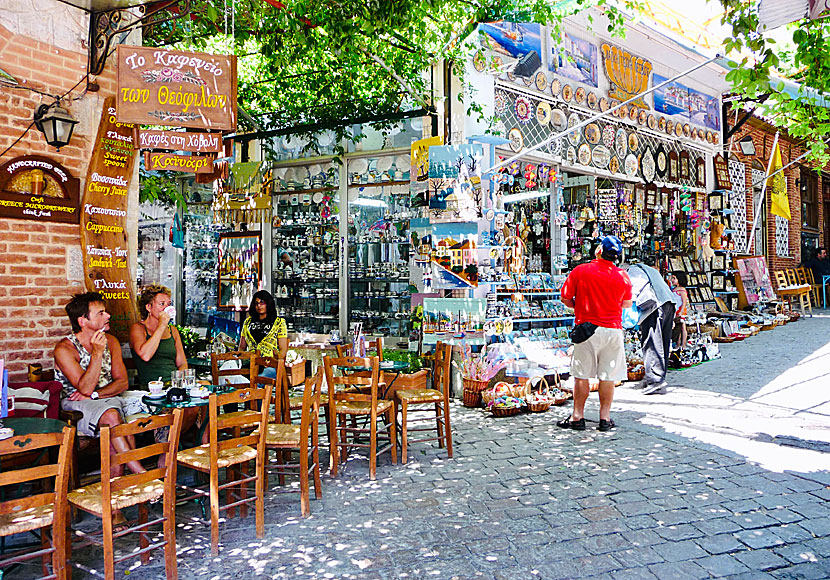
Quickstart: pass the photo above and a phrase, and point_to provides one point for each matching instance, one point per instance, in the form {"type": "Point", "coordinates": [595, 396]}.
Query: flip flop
{"type": "Point", "coordinates": [569, 423]}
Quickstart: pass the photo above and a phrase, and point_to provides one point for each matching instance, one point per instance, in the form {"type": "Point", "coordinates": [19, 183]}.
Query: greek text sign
{"type": "Point", "coordinates": [176, 88]}
{"type": "Point", "coordinates": [36, 188]}
{"type": "Point", "coordinates": [179, 141]}
{"type": "Point", "coordinates": [172, 162]}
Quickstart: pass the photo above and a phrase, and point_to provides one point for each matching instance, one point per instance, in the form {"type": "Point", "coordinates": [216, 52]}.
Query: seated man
{"type": "Point", "coordinates": [89, 365]}
{"type": "Point", "coordinates": [819, 264]}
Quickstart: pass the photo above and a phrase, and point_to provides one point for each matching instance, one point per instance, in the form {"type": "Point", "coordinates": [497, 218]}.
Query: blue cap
{"type": "Point", "coordinates": [612, 245]}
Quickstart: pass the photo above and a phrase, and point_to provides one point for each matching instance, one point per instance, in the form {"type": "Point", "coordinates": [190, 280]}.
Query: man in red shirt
{"type": "Point", "coordinates": [598, 292]}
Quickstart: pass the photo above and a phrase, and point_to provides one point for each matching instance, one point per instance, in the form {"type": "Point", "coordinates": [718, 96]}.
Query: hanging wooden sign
{"type": "Point", "coordinates": [700, 172]}
{"type": "Point", "coordinates": [171, 162]}
{"type": "Point", "coordinates": [722, 179]}
{"type": "Point", "coordinates": [36, 188]}
{"type": "Point", "coordinates": [104, 245]}
{"type": "Point", "coordinates": [674, 167]}
{"type": "Point", "coordinates": [176, 88]}
{"type": "Point", "coordinates": [179, 141]}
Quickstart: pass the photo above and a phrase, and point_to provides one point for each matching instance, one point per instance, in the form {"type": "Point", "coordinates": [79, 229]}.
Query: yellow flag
{"type": "Point", "coordinates": [778, 187]}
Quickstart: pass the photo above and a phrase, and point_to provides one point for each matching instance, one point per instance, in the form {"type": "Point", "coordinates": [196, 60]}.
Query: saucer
{"type": "Point", "coordinates": [156, 396]}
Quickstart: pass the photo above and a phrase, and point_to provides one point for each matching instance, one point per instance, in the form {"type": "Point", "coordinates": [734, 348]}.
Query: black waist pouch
{"type": "Point", "coordinates": [582, 332]}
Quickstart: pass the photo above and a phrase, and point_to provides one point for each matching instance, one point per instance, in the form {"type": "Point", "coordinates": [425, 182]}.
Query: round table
{"type": "Point", "coordinates": [160, 404]}
{"type": "Point", "coordinates": [32, 425]}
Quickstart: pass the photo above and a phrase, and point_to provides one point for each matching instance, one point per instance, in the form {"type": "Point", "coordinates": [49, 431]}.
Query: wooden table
{"type": "Point", "coordinates": [32, 425]}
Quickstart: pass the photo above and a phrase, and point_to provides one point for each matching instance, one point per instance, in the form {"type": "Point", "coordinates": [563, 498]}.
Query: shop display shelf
{"type": "Point", "coordinates": [301, 191]}
{"type": "Point", "coordinates": [405, 242]}
{"type": "Point", "coordinates": [307, 225]}
{"type": "Point", "coordinates": [380, 183]}
{"type": "Point", "coordinates": [303, 280]}
{"type": "Point", "coordinates": [529, 292]}
{"type": "Point", "coordinates": [391, 280]}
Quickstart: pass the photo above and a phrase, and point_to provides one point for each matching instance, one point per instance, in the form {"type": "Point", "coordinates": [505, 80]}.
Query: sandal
{"type": "Point", "coordinates": [606, 425]}
{"type": "Point", "coordinates": [569, 423]}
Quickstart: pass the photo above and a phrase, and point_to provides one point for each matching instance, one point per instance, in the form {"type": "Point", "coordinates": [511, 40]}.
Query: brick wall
{"type": "Point", "coordinates": [34, 256]}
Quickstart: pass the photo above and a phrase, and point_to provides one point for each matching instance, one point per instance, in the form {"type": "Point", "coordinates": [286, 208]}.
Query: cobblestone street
{"type": "Point", "coordinates": [728, 475]}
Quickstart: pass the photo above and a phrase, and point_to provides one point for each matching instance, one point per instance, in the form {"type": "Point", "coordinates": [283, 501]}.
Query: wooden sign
{"type": "Point", "coordinates": [179, 141]}
{"type": "Point", "coordinates": [172, 162]}
{"type": "Point", "coordinates": [176, 88]}
{"type": "Point", "coordinates": [722, 179]}
{"type": "Point", "coordinates": [104, 244]}
{"type": "Point", "coordinates": [628, 74]}
{"type": "Point", "coordinates": [36, 188]}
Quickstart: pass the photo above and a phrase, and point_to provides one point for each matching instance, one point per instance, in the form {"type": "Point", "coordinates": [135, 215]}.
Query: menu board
{"type": "Point", "coordinates": [37, 188]}
{"type": "Point", "coordinates": [104, 246]}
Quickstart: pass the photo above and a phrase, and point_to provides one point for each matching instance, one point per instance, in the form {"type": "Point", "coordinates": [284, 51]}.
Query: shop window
{"type": "Point", "coordinates": [808, 188]}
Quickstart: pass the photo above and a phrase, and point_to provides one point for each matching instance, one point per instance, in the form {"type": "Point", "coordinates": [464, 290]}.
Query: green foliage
{"type": "Point", "coordinates": [415, 361]}
{"type": "Point", "coordinates": [191, 341]}
{"type": "Point", "coordinates": [160, 187]}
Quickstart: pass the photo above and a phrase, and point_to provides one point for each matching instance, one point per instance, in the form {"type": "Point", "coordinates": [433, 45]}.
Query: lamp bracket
{"type": "Point", "coordinates": [105, 25]}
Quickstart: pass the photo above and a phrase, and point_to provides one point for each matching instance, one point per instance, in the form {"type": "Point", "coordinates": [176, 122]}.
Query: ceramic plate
{"type": "Point", "coordinates": [661, 160]}
{"type": "Point", "coordinates": [678, 129]}
{"type": "Point", "coordinates": [318, 197]}
{"type": "Point", "coordinates": [528, 81]}
{"type": "Point", "coordinates": [603, 104]}
{"type": "Point", "coordinates": [642, 118]}
{"type": "Point", "coordinates": [543, 113]}
{"type": "Point", "coordinates": [570, 156]}
{"type": "Point", "coordinates": [517, 140]}
{"type": "Point", "coordinates": [523, 109]}
{"type": "Point", "coordinates": [634, 114]}
{"type": "Point", "coordinates": [601, 156]}
{"type": "Point", "coordinates": [647, 165]}
{"type": "Point", "coordinates": [384, 163]}
{"type": "Point", "coordinates": [687, 130]}
{"type": "Point", "coordinates": [661, 124]}
{"type": "Point", "coordinates": [622, 143]}
{"type": "Point", "coordinates": [614, 165]}
{"type": "Point", "coordinates": [592, 133]}
{"type": "Point", "coordinates": [579, 95]}
{"type": "Point", "coordinates": [541, 81]}
{"type": "Point", "coordinates": [479, 62]}
{"type": "Point", "coordinates": [558, 119]}
{"type": "Point", "coordinates": [622, 112]}
{"type": "Point", "coordinates": [555, 147]}
{"type": "Point", "coordinates": [555, 87]}
{"type": "Point", "coordinates": [417, 123]}
{"type": "Point", "coordinates": [403, 162]}
{"type": "Point", "coordinates": [609, 134]}
{"type": "Point", "coordinates": [574, 136]}
{"type": "Point", "coordinates": [631, 165]}
{"type": "Point", "coordinates": [633, 142]}
{"type": "Point", "coordinates": [592, 101]}
{"type": "Point", "coordinates": [652, 122]}
{"type": "Point", "coordinates": [669, 126]}
{"type": "Point", "coordinates": [500, 101]}
{"type": "Point", "coordinates": [359, 166]}
{"type": "Point", "coordinates": [584, 154]}
{"type": "Point", "coordinates": [567, 93]}
{"type": "Point", "coordinates": [326, 138]}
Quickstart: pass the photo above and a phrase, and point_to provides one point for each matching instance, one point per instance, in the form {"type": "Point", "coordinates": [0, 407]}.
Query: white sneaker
{"type": "Point", "coordinates": [656, 389]}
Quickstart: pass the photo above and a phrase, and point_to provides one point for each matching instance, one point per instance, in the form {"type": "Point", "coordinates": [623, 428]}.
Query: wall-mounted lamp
{"type": "Point", "coordinates": [528, 65]}
{"type": "Point", "coordinates": [747, 145]}
{"type": "Point", "coordinates": [56, 124]}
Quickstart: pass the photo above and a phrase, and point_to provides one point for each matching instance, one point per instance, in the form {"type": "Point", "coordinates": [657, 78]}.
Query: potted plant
{"type": "Point", "coordinates": [416, 378]}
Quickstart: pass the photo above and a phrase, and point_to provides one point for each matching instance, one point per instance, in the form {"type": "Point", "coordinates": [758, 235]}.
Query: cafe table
{"type": "Point", "coordinates": [32, 425]}
{"type": "Point", "coordinates": [387, 368]}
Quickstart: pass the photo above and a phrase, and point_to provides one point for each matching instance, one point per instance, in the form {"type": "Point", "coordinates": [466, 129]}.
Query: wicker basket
{"type": "Point", "coordinates": [636, 375]}
{"type": "Point", "coordinates": [474, 385]}
{"type": "Point", "coordinates": [505, 411]}
{"type": "Point", "coordinates": [471, 398]}
{"type": "Point", "coordinates": [541, 402]}
{"type": "Point", "coordinates": [500, 389]}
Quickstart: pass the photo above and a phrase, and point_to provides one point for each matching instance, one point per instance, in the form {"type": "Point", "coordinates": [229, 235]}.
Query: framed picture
{"type": "Point", "coordinates": [651, 197]}
{"type": "Point", "coordinates": [674, 167]}
{"type": "Point", "coordinates": [677, 264]}
{"type": "Point", "coordinates": [718, 282]}
{"type": "Point", "coordinates": [715, 201]}
{"type": "Point", "coordinates": [698, 267]}
{"type": "Point", "coordinates": [240, 267]}
{"type": "Point", "coordinates": [684, 165]}
{"type": "Point", "coordinates": [708, 292]}
{"type": "Point", "coordinates": [719, 262]}
{"type": "Point", "coordinates": [700, 172]}
{"type": "Point", "coordinates": [687, 264]}
{"type": "Point", "coordinates": [664, 198]}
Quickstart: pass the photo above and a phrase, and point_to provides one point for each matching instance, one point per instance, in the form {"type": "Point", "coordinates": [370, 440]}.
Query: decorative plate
{"type": "Point", "coordinates": [647, 165]}
{"type": "Point", "coordinates": [543, 113]}
{"type": "Point", "coordinates": [555, 87]}
{"type": "Point", "coordinates": [528, 81]}
{"type": "Point", "coordinates": [633, 142]}
{"type": "Point", "coordinates": [584, 154]}
{"type": "Point", "coordinates": [652, 122]}
{"type": "Point", "coordinates": [317, 197]}
{"type": "Point", "coordinates": [622, 112]}
{"type": "Point", "coordinates": [603, 104]}
{"type": "Point", "coordinates": [609, 134]}
{"type": "Point", "coordinates": [510, 76]}
{"type": "Point", "coordinates": [678, 129]}
{"type": "Point", "coordinates": [558, 119]}
{"type": "Point", "coordinates": [716, 138]}
{"type": "Point", "coordinates": [601, 156]}
{"type": "Point", "coordinates": [614, 165]}
{"type": "Point", "coordinates": [661, 124]}
{"type": "Point", "coordinates": [517, 140]}
{"type": "Point", "coordinates": [574, 136]}
{"type": "Point", "coordinates": [622, 142]}
{"type": "Point", "coordinates": [592, 101]}
{"type": "Point", "coordinates": [501, 101]}
{"type": "Point", "coordinates": [567, 93]}
{"type": "Point", "coordinates": [662, 160]}
{"type": "Point", "coordinates": [634, 114]}
{"type": "Point", "coordinates": [669, 126]}
{"type": "Point", "coordinates": [631, 165]}
{"type": "Point", "coordinates": [710, 138]}
{"type": "Point", "coordinates": [555, 147]}
{"type": "Point", "coordinates": [541, 81]}
{"type": "Point", "coordinates": [570, 156]}
{"type": "Point", "coordinates": [479, 62]}
{"type": "Point", "coordinates": [642, 118]}
{"type": "Point", "coordinates": [524, 110]}
{"type": "Point", "coordinates": [497, 62]}
{"type": "Point", "coordinates": [687, 130]}
{"type": "Point", "coordinates": [592, 133]}
{"type": "Point", "coordinates": [579, 95]}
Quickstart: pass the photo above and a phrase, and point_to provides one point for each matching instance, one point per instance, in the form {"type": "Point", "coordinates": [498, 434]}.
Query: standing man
{"type": "Point", "coordinates": [656, 303]}
{"type": "Point", "coordinates": [89, 364]}
{"type": "Point", "coordinates": [598, 292]}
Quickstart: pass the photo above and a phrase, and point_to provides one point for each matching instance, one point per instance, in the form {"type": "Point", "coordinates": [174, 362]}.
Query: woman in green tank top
{"type": "Point", "coordinates": [156, 345]}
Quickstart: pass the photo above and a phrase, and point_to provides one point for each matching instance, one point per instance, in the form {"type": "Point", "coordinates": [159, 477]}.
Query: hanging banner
{"type": "Point", "coordinates": [179, 141]}
{"type": "Point", "coordinates": [36, 188]}
{"type": "Point", "coordinates": [172, 162]}
{"type": "Point", "coordinates": [176, 88]}
{"type": "Point", "coordinates": [104, 220]}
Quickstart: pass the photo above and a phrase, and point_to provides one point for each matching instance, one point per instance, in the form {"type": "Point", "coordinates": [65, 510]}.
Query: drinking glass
{"type": "Point", "coordinates": [176, 378]}
{"type": "Point", "coordinates": [189, 378]}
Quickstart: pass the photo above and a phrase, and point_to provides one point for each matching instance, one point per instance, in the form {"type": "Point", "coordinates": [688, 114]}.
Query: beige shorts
{"type": "Point", "coordinates": [128, 404]}
{"type": "Point", "coordinates": [600, 357]}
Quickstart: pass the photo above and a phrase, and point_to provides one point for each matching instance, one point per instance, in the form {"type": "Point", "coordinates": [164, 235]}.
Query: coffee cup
{"type": "Point", "coordinates": [155, 387]}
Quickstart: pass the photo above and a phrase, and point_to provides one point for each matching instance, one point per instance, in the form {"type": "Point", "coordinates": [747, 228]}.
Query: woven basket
{"type": "Point", "coordinates": [471, 398]}
{"type": "Point", "coordinates": [500, 389]}
{"type": "Point", "coordinates": [542, 403]}
{"type": "Point", "coordinates": [474, 385]}
{"type": "Point", "coordinates": [637, 375]}
{"type": "Point", "coordinates": [505, 411]}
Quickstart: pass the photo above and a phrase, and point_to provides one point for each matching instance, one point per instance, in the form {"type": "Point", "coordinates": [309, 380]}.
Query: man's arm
{"type": "Point", "coordinates": [568, 302]}
{"type": "Point", "coordinates": [119, 382]}
{"type": "Point", "coordinates": [69, 363]}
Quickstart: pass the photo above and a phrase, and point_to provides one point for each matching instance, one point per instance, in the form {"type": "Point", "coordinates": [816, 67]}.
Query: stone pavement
{"type": "Point", "coordinates": [726, 476]}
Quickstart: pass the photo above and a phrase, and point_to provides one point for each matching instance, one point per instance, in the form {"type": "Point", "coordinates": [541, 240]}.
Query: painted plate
{"type": "Point", "coordinates": [633, 114]}
{"type": "Point", "coordinates": [517, 140]}
{"type": "Point", "coordinates": [558, 119]}
{"type": "Point", "coordinates": [661, 124]}
{"type": "Point", "coordinates": [622, 143]}
{"type": "Point", "coordinates": [669, 126]}
{"type": "Point", "coordinates": [647, 165]}
{"type": "Point", "coordinates": [631, 165]}
{"type": "Point", "coordinates": [614, 165]}
{"type": "Point", "coordinates": [687, 130]}
{"type": "Point", "coordinates": [500, 101]}
{"type": "Point", "coordinates": [601, 156]}
{"type": "Point", "coordinates": [652, 122]}
{"type": "Point", "coordinates": [541, 81]}
{"type": "Point", "coordinates": [555, 147]}
{"type": "Point", "coordinates": [662, 160]}
{"type": "Point", "coordinates": [593, 135]}
{"type": "Point", "coordinates": [678, 129]}
{"type": "Point", "coordinates": [528, 81]}
{"type": "Point", "coordinates": [555, 87]}
{"type": "Point", "coordinates": [497, 62]}
{"type": "Point", "coordinates": [716, 138]}
{"type": "Point", "coordinates": [609, 134]}
{"type": "Point", "coordinates": [479, 62]}
{"type": "Point", "coordinates": [633, 142]}
{"type": "Point", "coordinates": [643, 117]}
{"type": "Point", "coordinates": [574, 136]}
{"type": "Point", "coordinates": [622, 111]}
{"type": "Point", "coordinates": [543, 113]}
{"type": "Point", "coordinates": [579, 95]}
{"type": "Point", "coordinates": [603, 104]}
{"type": "Point", "coordinates": [592, 101]}
{"type": "Point", "coordinates": [584, 154]}
{"type": "Point", "coordinates": [710, 137]}
{"type": "Point", "coordinates": [523, 109]}
{"type": "Point", "coordinates": [567, 93]}
{"type": "Point", "coordinates": [570, 156]}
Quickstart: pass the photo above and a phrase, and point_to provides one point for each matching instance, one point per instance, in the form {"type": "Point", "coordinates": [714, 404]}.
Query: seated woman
{"type": "Point", "coordinates": [263, 330]}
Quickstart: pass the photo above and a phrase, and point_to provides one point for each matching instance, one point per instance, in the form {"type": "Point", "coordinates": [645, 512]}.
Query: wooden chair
{"type": "Point", "coordinates": [285, 437]}
{"type": "Point", "coordinates": [787, 288]}
{"type": "Point", "coordinates": [438, 397]}
{"type": "Point", "coordinates": [232, 453]}
{"type": "Point", "coordinates": [809, 278]}
{"type": "Point", "coordinates": [37, 511]}
{"type": "Point", "coordinates": [348, 403]}
{"type": "Point", "coordinates": [345, 350]}
{"type": "Point", "coordinates": [246, 370]}
{"type": "Point", "coordinates": [116, 493]}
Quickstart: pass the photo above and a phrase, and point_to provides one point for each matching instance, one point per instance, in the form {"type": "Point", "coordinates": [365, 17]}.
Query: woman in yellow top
{"type": "Point", "coordinates": [263, 330]}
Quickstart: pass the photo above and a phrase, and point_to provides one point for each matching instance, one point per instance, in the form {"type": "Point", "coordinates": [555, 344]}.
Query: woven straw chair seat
{"type": "Point", "coordinates": [89, 498]}
{"type": "Point", "coordinates": [362, 407]}
{"type": "Point", "coordinates": [420, 395]}
{"type": "Point", "coordinates": [280, 434]}
{"type": "Point", "coordinates": [199, 457]}
{"type": "Point", "coordinates": [28, 519]}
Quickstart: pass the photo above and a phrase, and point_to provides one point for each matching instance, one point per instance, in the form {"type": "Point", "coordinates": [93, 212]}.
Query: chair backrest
{"type": "Point", "coordinates": [40, 399]}
{"type": "Point", "coordinates": [792, 278]}
{"type": "Point", "coordinates": [278, 384]}
{"type": "Point", "coordinates": [780, 278]}
{"type": "Point", "coordinates": [441, 368]}
{"type": "Point", "coordinates": [258, 398]}
{"type": "Point", "coordinates": [345, 350]}
{"type": "Point", "coordinates": [354, 379]}
{"type": "Point", "coordinates": [801, 275]}
{"type": "Point", "coordinates": [244, 368]}
{"type": "Point", "coordinates": [59, 471]}
{"type": "Point", "coordinates": [808, 273]}
{"type": "Point", "coordinates": [310, 413]}
{"type": "Point", "coordinates": [111, 484]}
